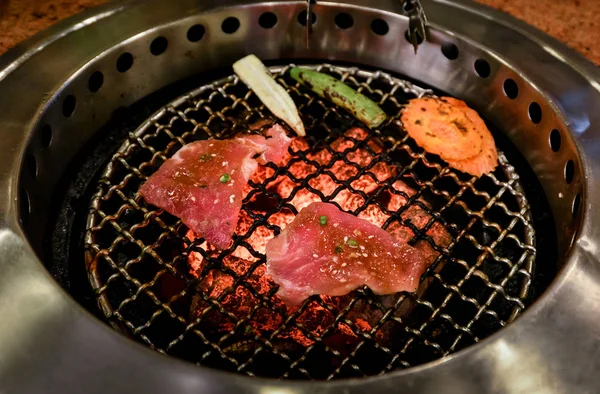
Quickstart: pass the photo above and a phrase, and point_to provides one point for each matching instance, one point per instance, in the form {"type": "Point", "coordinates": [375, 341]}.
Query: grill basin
{"type": "Point", "coordinates": [542, 95]}
{"type": "Point", "coordinates": [159, 284]}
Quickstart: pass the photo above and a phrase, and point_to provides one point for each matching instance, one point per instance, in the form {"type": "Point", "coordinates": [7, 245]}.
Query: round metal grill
{"type": "Point", "coordinates": [160, 285]}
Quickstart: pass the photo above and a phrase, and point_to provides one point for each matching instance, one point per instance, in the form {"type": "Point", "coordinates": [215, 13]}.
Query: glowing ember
{"type": "Point", "coordinates": [242, 298]}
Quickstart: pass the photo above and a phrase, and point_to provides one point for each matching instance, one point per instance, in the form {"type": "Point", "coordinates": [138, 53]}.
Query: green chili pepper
{"type": "Point", "coordinates": [359, 105]}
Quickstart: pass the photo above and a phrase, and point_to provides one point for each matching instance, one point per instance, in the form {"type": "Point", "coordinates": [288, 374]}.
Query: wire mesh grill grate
{"type": "Point", "coordinates": [223, 313]}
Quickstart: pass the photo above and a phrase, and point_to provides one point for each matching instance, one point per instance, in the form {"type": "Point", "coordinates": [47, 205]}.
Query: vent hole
{"type": "Point", "coordinates": [69, 105]}
{"type": "Point", "coordinates": [230, 25]}
{"type": "Point", "coordinates": [450, 50]}
{"type": "Point", "coordinates": [95, 82]}
{"type": "Point", "coordinates": [46, 135]}
{"type": "Point", "coordinates": [32, 166]}
{"type": "Point", "coordinates": [569, 171]}
{"type": "Point", "coordinates": [511, 89]}
{"type": "Point", "coordinates": [267, 20]}
{"type": "Point", "coordinates": [343, 20]}
{"type": "Point", "coordinates": [25, 205]}
{"type": "Point", "coordinates": [124, 62]}
{"type": "Point", "coordinates": [482, 67]}
{"type": "Point", "coordinates": [576, 204]}
{"type": "Point", "coordinates": [535, 112]}
{"type": "Point", "coordinates": [555, 140]}
{"type": "Point", "coordinates": [380, 27]}
{"type": "Point", "coordinates": [195, 33]}
{"type": "Point", "coordinates": [302, 18]}
{"type": "Point", "coordinates": [158, 46]}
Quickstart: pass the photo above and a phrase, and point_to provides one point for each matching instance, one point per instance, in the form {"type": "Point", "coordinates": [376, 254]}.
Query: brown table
{"type": "Point", "coordinates": [575, 22]}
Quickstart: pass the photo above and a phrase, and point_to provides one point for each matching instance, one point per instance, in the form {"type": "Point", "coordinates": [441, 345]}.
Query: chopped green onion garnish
{"type": "Point", "coordinates": [338, 249]}
{"type": "Point", "coordinates": [353, 243]}
{"type": "Point", "coordinates": [225, 178]}
{"type": "Point", "coordinates": [205, 157]}
{"type": "Point", "coordinates": [323, 220]}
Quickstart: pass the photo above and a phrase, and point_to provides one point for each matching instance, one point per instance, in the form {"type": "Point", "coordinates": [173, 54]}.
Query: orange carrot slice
{"type": "Point", "coordinates": [442, 128]}
{"type": "Point", "coordinates": [448, 140]}
{"type": "Point", "coordinates": [487, 160]}
{"type": "Point", "coordinates": [483, 163]}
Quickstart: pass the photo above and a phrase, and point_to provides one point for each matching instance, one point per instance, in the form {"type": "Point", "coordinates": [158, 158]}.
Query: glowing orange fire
{"type": "Point", "coordinates": [240, 302]}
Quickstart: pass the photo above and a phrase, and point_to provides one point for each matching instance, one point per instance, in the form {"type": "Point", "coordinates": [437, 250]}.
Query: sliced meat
{"type": "Point", "coordinates": [326, 251]}
{"type": "Point", "coordinates": [203, 183]}
{"type": "Point", "coordinates": [271, 149]}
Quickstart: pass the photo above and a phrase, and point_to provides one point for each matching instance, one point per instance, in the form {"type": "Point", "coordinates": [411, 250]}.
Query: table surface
{"type": "Point", "coordinates": [574, 22]}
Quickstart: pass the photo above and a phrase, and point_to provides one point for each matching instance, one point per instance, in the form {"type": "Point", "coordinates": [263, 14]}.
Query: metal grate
{"type": "Point", "coordinates": [226, 316]}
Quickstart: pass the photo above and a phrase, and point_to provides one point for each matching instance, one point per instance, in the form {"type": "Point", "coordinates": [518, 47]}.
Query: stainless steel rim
{"type": "Point", "coordinates": [536, 344]}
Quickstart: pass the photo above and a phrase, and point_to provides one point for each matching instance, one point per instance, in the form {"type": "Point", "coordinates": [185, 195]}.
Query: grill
{"type": "Point", "coordinates": [507, 305]}
{"type": "Point", "coordinates": [160, 285]}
